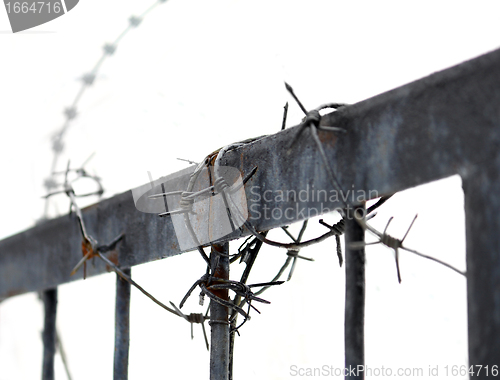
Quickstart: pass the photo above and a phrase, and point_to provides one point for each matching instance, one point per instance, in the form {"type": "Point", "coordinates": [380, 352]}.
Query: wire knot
{"type": "Point", "coordinates": [391, 242]}
{"type": "Point", "coordinates": [312, 117]}
{"type": "Point", "coordinates": [186, 203]}
{"type": "Point", "coordinates": [196, 318]}
{"type": "Point", "coordinates": [218, 322]}
{"type": "Point", "coordinates": [220, 185]}
{"type": "Point", "coordinates": [338, 228]}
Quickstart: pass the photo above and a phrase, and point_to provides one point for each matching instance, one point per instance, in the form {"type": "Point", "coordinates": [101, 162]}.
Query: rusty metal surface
{"type": "Point", "coordinates": [435, 127]}
{"type": "Point", "coordinates": [219, 318]}
{"type": "Point", "coordinates": [43, 257]}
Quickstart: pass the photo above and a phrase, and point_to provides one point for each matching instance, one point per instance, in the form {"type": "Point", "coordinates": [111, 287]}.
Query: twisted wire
{"type": "Point", "coordinates": [71, 112]}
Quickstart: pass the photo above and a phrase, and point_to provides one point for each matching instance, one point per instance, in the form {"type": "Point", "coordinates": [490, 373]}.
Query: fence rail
{"type": "Point", "coordinates": [445, 124]}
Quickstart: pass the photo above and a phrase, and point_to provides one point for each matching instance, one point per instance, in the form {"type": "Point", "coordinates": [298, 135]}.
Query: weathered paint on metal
{"type": "Point", "coordinates": [354, 321]}
{"type": "Point", "coordinates": [482, 207]}
{"type": "Point", "coordinates": [429, 129]}
{"type": "Point", "coordinates": [49, 335]}
{"type": "Point", "coordinates": [447, 123]}
{"type": "Point", "coordinates": [122, 327]}
{"type": "Point", "coordinates": [219, 318]}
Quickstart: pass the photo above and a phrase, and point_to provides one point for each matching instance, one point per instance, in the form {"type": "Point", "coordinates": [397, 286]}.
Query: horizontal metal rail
{"type": "Point", "coordinates": [447, 123]}
{"type": "Point", "coordinates": [438, 126]}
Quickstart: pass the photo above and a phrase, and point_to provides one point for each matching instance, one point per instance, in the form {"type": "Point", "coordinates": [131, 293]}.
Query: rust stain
{"type": "Point", "coordinates": [91, 207]}
{"type": "Point", "coordinates": [113, 257]}
{"type": "Point", "coordinates": [221, 293]}
{"type": "Point", "coordinates": [327, 137]}
{"type": "Point", "coordinates": [220, 273]}
{"type": "Point", "coordinates": [87, 250]}
{"type": "Point", "coordinates": [12, 293]}
{"type": "Point", "coordinates": [213, 156]}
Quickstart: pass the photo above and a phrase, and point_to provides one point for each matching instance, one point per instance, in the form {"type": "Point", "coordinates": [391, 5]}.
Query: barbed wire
{"type": "Point", "coordinates": [50, 183]}
{"type": "Point", "coordinates": [311, 121]}
{"type": "Point", "coordinates": [250, 248]}
{"type": "Point", "coordinates": [71, 112]}
{"type": "Point", "coordinates": [219, 186]}
{"type": "Point", "coordinates": [91, 247]}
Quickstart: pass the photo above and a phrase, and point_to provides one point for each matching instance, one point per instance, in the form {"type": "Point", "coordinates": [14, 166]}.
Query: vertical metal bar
{"type": "Point", "coordinates": [354, 297]}
{"type": "Point", "coordinates": [219, 348]}
{"type": "Point", "coordinates": [122, 327]}
{"type": "Point", "coordinates": [237, 299]}
{"type": "Point", "coordinates": [49, 335]}
{"type": "Point", "coordinates": [482, 221]}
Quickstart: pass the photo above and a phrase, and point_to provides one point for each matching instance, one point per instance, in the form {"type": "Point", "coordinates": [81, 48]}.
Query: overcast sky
{"type": "Point", "coordinates": [197, 75]}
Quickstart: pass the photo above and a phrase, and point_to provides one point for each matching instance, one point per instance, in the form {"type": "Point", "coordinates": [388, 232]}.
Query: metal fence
{"type": "Point", "coordinates": [445, 124]}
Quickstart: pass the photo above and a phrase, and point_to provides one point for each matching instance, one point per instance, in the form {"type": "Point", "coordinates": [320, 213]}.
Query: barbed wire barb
{"type": "Point", "coordinates": [87, 80]}
{"type": "Point", "coordinates": [394, 243]}
{"type": "Point", "coordinates": [194, 318]}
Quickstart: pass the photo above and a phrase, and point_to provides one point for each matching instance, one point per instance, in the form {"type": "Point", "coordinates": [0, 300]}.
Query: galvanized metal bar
{"type": "Point", "coordinates": [354, 322]}
{"type": "Point", "coordinates": [482, 220]}
{"type": "Point", "coordinates": [49, 335]}
{"type": "Point", "coordinates": [219, 317]}
{"type": "Point", "coordinates": [426, 130]}
{"type": "Point", "coordinates": [122, 327]}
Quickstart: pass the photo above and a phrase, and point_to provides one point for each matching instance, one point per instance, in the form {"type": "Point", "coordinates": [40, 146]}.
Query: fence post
{"type": "Point", "coordinates": [219, 347]}
{"type": "Point", "coordinates": [482, 222]}
{"type": "Point", "coordinates": [49, 335]}
{"type": "Point", "coordinates": [122, 327]}
{"type": "Point", "coordinates": [354, 296]}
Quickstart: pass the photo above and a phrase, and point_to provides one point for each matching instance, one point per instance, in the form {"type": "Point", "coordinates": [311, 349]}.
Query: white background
{"type": "Point", "coordinates": [197, 75]}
